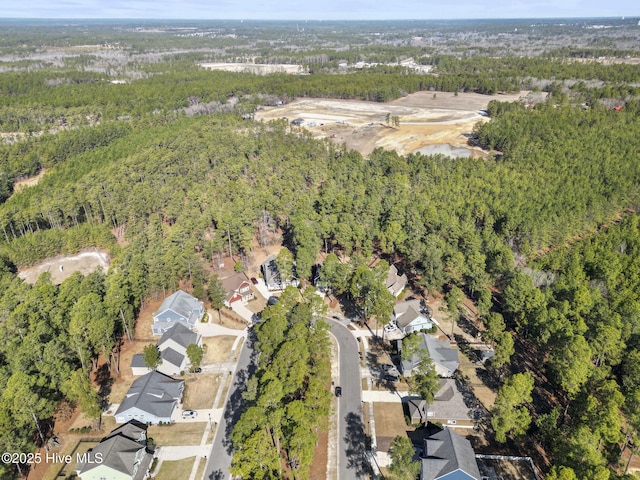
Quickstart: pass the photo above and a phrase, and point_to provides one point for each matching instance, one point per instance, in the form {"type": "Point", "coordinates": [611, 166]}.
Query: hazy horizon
{"type": "Point", "coordinates": [328, 10]}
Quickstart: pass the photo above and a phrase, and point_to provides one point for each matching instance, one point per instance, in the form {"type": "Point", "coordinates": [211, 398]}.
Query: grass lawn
{"type": "Point", "coordinates": [173, 469]}
{"type": "Point", "coordinates": [200, 391]}
{"type": "Point", "coordinates": [177, 434]}
{"type": "Point", "coordinates": [238, 348]}
{"type": "Point", "coordinates": [201, 467]}
{"type": "Point", "coordinates": [226, 387]}
{"type": "Point", "coordinates": [390, 422]}
{"type": "Point", "coordinates": [218, 348]}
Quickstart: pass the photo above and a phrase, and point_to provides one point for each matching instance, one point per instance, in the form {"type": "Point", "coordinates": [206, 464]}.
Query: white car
{"type": "Point", "coordinates": [189, 414]}
{"type": "Point", "coordinates": [390, 328]}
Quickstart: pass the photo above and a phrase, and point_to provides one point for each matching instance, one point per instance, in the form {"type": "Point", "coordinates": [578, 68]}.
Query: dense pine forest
{"type": "Point", "coordinates": [543, 235]}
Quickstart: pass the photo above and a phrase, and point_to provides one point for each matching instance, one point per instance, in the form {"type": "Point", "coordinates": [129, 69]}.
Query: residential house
{"type": "Point", "coordinates": [445, 358]}
{"type": "Point", "coordinates": [173, 349]}
{"type": "Point", "coordinates": [173, 352]}
{"type": "Point", "coordinates": [411, 316]}
{"type": "Point", "coordinates": [447, 408]}
{"type": "Point", "coordinates": [123, 454]}
{"type": "Point", "coordinates": [272, 276]}
{"type": "Point", "coordinates": [180, 307]}
{"type": "Point", "coordinates": [238, 289]}
{"type": "Point", "coordinates": [151, 399]}
{"type": "Point", "coordinates": [395, 283]}
{"type": "Point", "coordinates": [448, 456]}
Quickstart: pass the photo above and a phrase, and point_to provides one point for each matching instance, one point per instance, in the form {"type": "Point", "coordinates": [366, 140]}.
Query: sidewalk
{"type": "Point", "coordinates": [383, 396]}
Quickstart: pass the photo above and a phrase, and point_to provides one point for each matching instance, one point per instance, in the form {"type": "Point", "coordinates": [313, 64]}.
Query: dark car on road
{"type": "Point", "coordinates": [338, 391]}
{"type": "Point", "coordinates": [254, 280]}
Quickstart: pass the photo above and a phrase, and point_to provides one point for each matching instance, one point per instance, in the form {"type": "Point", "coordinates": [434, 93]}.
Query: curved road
{"type": "Point", "coordinates": [353, 460]}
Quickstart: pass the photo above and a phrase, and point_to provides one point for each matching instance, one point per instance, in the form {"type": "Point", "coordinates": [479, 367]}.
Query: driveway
{"type": "Point", "coordinates": [243, 311]}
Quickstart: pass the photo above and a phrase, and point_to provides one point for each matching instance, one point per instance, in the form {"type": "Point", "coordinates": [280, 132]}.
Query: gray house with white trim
{"type": "Point", "coordinates": [448, 457]}
{"type": "Point", "coordinates": [180, 307]}
{"type": "Point", "coordinates": [151, 399]}
{"type": "Point", "coordinates": [173, 349]}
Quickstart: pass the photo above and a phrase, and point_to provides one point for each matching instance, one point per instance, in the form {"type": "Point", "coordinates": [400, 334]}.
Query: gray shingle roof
{"type": "Point", "coordinates": [133, 430]}
{"type": "Point", "coordinates": [138, 360]}
{"type": "Point", "coordinates": [123, 450]}
{"type": "Point", "coordinates": [448, 404]}
{"type": "Point", "coordinates": [181, 303]}
{"type": "Point", "coordinates": [446, 453]}
{"type": "Point", "coordinates": [154, 393]}
{"type": "Point", "coordinates": [441, 353]}
{"type": "Point", "coordinates": [444, 357]}
{"type": "Point", "coordinates": [408, 316]}
{"type": "Point", "coordinates": [179, 334]}
{"type": "Point", "coordinates": [169, 355]}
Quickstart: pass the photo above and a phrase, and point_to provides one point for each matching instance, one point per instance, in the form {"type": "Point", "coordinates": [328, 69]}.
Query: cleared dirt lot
{"type": "Point", "coordinates": [62, 267]}
{"type": "Point", "coordinates": [426, 118]}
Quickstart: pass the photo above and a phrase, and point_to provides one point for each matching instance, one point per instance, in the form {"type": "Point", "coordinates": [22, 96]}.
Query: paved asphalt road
{"type": "Point", "coordinates": [353, 461]}
{"type": "Point", "coordinates": [353, 447]}
{"type": "Point", "coordinates": [220, 455]}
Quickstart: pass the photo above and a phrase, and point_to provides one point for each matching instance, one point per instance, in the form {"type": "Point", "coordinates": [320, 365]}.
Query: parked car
{"type": "Point", "coordinates": [189, 414]}
{"type": "Point", "coordinates": [390, 328]}
{"type": "Point", "coordinates": [254, 280]}
{"type": "Point", "coordinates": [338, 391]}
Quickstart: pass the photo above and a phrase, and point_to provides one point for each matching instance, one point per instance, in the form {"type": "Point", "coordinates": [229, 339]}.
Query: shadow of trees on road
{"type": "Point", "coordinates": [358, 445]}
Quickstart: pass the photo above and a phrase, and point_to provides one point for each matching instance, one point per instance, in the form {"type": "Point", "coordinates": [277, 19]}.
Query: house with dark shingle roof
{"type": "Point", "coordinates": [122, 454]}
{"type": "Point", "coordinates": [448, 456]}
{"type": "Point", "coordinates": [180, 307]}
{"type": "Point", "coordinates": [448, 407]}
{"type": "Point", "coordinates": [151, 399]}
{"type": "Point", "coordinates": [445, 358]}
{"type": "Point", "coordinates": [173, 349]}
{"type": "Point", "coordinates": [173, 352]}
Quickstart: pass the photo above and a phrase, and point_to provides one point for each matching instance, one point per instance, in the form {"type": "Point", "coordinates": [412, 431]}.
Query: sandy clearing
{"type": "Point", "coordinates": [28, 182]}
{"type": "Point", "coordinates": [62, 267]}
{"type": "Point", "coordinates": [426, 118]}
{"type": "Point", "coordinates": [257, 68]}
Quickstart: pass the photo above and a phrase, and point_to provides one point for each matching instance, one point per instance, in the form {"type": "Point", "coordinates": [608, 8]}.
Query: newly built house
{"type": "Point", "coordinates": [151, 399]}
{"type": "Point", "coordinates": [180, 307]}
{"type": "Point", "coordinates": [448, 456]}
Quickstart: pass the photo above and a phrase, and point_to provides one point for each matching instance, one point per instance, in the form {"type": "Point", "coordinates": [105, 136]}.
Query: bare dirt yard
{"type": "Point", "coordinates": [218, 348]}
{"type": "Point", "coordinates": [426, 119]}
{"type": "Point", "coordinates": [63, 266]}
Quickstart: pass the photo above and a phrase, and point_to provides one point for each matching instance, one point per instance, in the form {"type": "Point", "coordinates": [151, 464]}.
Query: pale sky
{"type": "Point", "coordinates": [317, 9]}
